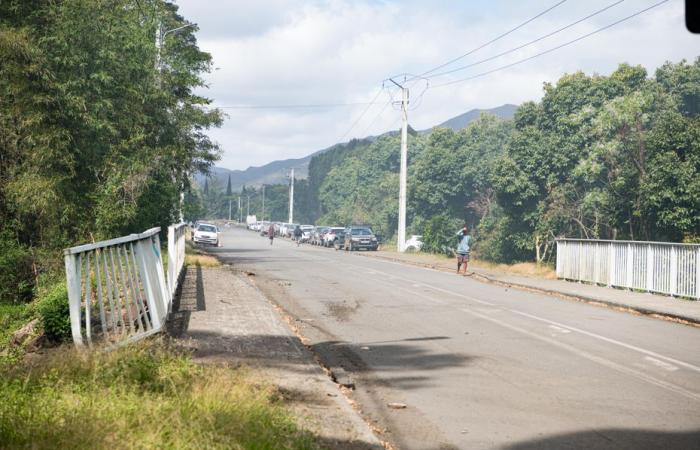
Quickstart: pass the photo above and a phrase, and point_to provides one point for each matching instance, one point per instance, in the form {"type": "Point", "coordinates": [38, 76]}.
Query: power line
{"type": "Point", "coordinates": [292, 106]}
{"type": "Point", "coordinates": [553, 48]}
{"type": "Point", "coordinates": [492, 40]}
{"type": "Point", "coordinates": [527, 43]}
{"type": "Point", "coordinates": [386, 105]}
{"type": "Point", "coordinates": [369, 105]}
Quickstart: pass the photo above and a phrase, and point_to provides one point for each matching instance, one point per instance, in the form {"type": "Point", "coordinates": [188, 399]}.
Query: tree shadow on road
{"type": "Point", "coordinates": [614, 438]}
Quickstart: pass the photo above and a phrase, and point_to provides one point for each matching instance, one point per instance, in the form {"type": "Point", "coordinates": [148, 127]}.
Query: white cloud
{"type": "Point", "coordinates": [291, 52]}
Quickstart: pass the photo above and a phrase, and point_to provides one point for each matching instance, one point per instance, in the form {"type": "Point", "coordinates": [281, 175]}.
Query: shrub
{"type": "Point", "coordinates": [439, 234]}
{"type": "Point", "coordinates": [16, 275]}
{"type": "Point", "coordinates": [54, 313]}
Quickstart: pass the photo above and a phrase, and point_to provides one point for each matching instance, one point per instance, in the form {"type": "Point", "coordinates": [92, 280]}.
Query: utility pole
{"type": "Point", "coordinates": [240, 212]}
{"type": "Point", "coordinates": [160, 38]}
{"type": "Point", "coordinates": [247, 208]}
{"type": "Point", "coordinates": [291, 198]}
{"type": "Point", "coordinates": [401, 241]}
{"type": "Point", "coordinates": [263, 205]}
{"type": "Point", "coordinates": [229, 209]}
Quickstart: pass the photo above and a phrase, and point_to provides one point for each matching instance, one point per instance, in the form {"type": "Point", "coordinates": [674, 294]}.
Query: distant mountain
{"type": "Point", "coordinates": [457, 123]}
{"type": "Point", "coordinates": [276, 172]}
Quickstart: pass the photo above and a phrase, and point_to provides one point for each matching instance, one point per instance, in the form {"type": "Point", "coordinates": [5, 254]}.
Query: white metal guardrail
{"type": "Point", "coordinates": [661, 267]}
{"type": "Point", "coordinates": [176, 255]}
{"type": "Point", "coordinates": [117, 289]}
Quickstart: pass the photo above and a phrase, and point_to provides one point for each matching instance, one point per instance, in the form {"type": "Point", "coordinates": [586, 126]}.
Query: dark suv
{"type": "Point", "coordinates": [357, 238]}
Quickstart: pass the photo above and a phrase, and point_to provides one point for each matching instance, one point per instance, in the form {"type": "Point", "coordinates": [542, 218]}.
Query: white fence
{"type": "Point", "coordinates": [176, 255]}
{"type": "Point", "coordinates": [117, 290]}
{"type": "Point", "coordinates": [665, 268]}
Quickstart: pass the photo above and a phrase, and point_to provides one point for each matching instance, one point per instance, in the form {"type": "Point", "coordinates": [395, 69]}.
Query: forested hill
{"type": "Point", "coordinates": [276, 172]}
{"type": "Point", "coordinates": [612, 157]}
{"type": "Point", "coordinates": [457, 123]}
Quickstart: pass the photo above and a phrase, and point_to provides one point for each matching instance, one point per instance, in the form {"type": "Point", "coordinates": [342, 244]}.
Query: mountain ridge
{"type": "Point", "coordinates": [277, 172]}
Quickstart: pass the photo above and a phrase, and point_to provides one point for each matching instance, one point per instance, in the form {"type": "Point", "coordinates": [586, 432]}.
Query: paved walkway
{"type": "Point", "coordinates": [227, 319]}
{"type": "Point", "coordinates": [645, 303]}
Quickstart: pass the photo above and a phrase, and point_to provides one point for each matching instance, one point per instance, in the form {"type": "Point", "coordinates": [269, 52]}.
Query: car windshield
{"type": "Point", "coordinates": [361, 232]}
{"type": "Point", "coordinates": [207, 228]}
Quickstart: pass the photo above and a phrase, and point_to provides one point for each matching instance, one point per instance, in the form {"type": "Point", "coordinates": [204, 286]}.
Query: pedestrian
{"type": "Point", "coordinates": [463, 249]}
{"type": "Point", "coordinates": [297, 234]}
{"type": "Point", "coordinates": [271, 232]}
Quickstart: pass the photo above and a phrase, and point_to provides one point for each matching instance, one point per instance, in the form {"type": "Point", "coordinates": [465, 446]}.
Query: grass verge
{"type": "Point", "coordinates": [528, 269]}
{"type": "Point", "coordinates": [194, 257]}
{"type": "Point", "coordinates": [149, 395]}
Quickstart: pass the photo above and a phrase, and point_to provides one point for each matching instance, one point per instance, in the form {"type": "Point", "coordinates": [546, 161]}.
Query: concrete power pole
{"type": "Point", "coordinates": [240, 213]}
{"type": "Point", "coordinates": [229, 209]}
{"type": "Point", "coordinates": [263, 205]}
{"type": "Point", "coordinates": [401, 241]}
{"type": "Point", "coordinates": [291, 198]}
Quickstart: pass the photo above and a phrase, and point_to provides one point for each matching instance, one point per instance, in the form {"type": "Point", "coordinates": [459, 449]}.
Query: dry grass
{"type": "Point", "coordinates": [195, 257]}
{"type": "Point", "coordinates": [528, 269]}
{"type": "Point", "coordinates": [149, 395]}
{"type": "Point", "coordinates": [201, 260]}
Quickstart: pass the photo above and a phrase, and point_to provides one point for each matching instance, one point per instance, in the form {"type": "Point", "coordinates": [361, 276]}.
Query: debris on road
{"type": "Point", "coordinates": [396, 405]}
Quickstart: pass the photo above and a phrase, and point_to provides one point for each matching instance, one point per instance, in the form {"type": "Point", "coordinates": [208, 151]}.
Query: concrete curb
{"type": "Point", "coordinates": [687, 320]}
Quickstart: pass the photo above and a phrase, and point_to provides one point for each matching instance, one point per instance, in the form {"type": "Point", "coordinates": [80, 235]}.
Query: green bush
{"type": "Point", "coordinates": [54, 313]}
{"type": "Point", "coordinates": [439, 234]}
{"type": "Point", "coordinates": [16, 275]}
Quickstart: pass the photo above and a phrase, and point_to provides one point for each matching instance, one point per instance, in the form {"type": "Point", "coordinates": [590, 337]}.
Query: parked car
{"type": "Point", "coordinates": [339, 239]}
{"type": "Point", "coordinates": [414, 243]}
{"type": "Point", "coordinates": [264, 228]}
{"type": "Point", "coordinates": [306, 231]}
{"type": "Point", "coordinates": [317, 235]}
{"type": "Point", "coordinates": [357, 238]}
{"type": "Point", "coordinates": [331, 236]}
{"type": "Point", "coordinates": [206, 234]}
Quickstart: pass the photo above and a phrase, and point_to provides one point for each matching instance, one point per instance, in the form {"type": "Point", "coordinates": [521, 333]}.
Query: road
{"type": "Point", "coordinates": [479, 365]}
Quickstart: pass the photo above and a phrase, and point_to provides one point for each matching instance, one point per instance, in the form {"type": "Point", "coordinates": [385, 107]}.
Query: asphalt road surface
{"type": "Point", "coordinates": [479, 365]}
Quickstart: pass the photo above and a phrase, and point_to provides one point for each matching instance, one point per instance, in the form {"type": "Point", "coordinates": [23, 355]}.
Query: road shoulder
{"type": "Point", "coordinates": [225, 319]}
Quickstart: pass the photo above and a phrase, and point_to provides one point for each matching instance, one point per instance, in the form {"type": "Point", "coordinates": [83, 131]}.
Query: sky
{"type": "Point", "coordinates": [271, 53]}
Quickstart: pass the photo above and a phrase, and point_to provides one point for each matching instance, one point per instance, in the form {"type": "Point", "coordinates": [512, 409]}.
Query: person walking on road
{"type": "Point", "coordinates": [297, 235]}
{"type": "Point", "coordinates": [271, 232]}
{"type": "Point", "coordinates": [463, 249]}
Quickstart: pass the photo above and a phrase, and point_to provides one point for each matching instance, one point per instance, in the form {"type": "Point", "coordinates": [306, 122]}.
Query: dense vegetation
{"type": "Point", "coordinates": [95, 141]}
{"type": "Point", "coordinates": [614, 157]}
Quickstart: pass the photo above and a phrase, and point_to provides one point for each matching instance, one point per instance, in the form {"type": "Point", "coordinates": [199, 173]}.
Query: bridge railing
{"type": "Point", "coordinates": [176, 255]}
{"type": "Point", "coordinates": [117, 290]}
{"type": "Point", "coordinates": [666, 268]}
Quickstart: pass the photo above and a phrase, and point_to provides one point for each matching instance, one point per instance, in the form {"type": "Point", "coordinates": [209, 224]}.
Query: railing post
{"type": "Point", "coordinates": [154, 307]}
{"type": "Point", "coordinates": [613, 269]}
{"type": "Point", "coordinates": [650, 268]}
{"type": "Point", "coordinates": [160, 276]}
{"type": "Point", "coordinates": [674, 271]}
{"type": "Point", "coordinates": [697, 273]}
{"type": "Point", "coordinates": [73, 283]}
{"type": "Point", "coordinates": [630, 268]}
{"type": "Point", "coordinates": [172, 260]}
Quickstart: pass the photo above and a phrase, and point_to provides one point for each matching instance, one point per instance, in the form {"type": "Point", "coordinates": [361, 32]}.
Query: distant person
{"type": "Point", "coordinates": [271, 232]}
{"type": "Point", "coordinates": [464, 247]}
{"type": "Point", "coordinates": [297, 235]}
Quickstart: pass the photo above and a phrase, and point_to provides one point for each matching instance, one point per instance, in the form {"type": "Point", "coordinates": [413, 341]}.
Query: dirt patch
{"type": "Point", "coordinates": [341, 311]}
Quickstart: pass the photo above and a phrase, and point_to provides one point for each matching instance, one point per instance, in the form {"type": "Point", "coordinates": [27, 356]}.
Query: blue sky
{"type": "Point", "coordinates": [280, 52]}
